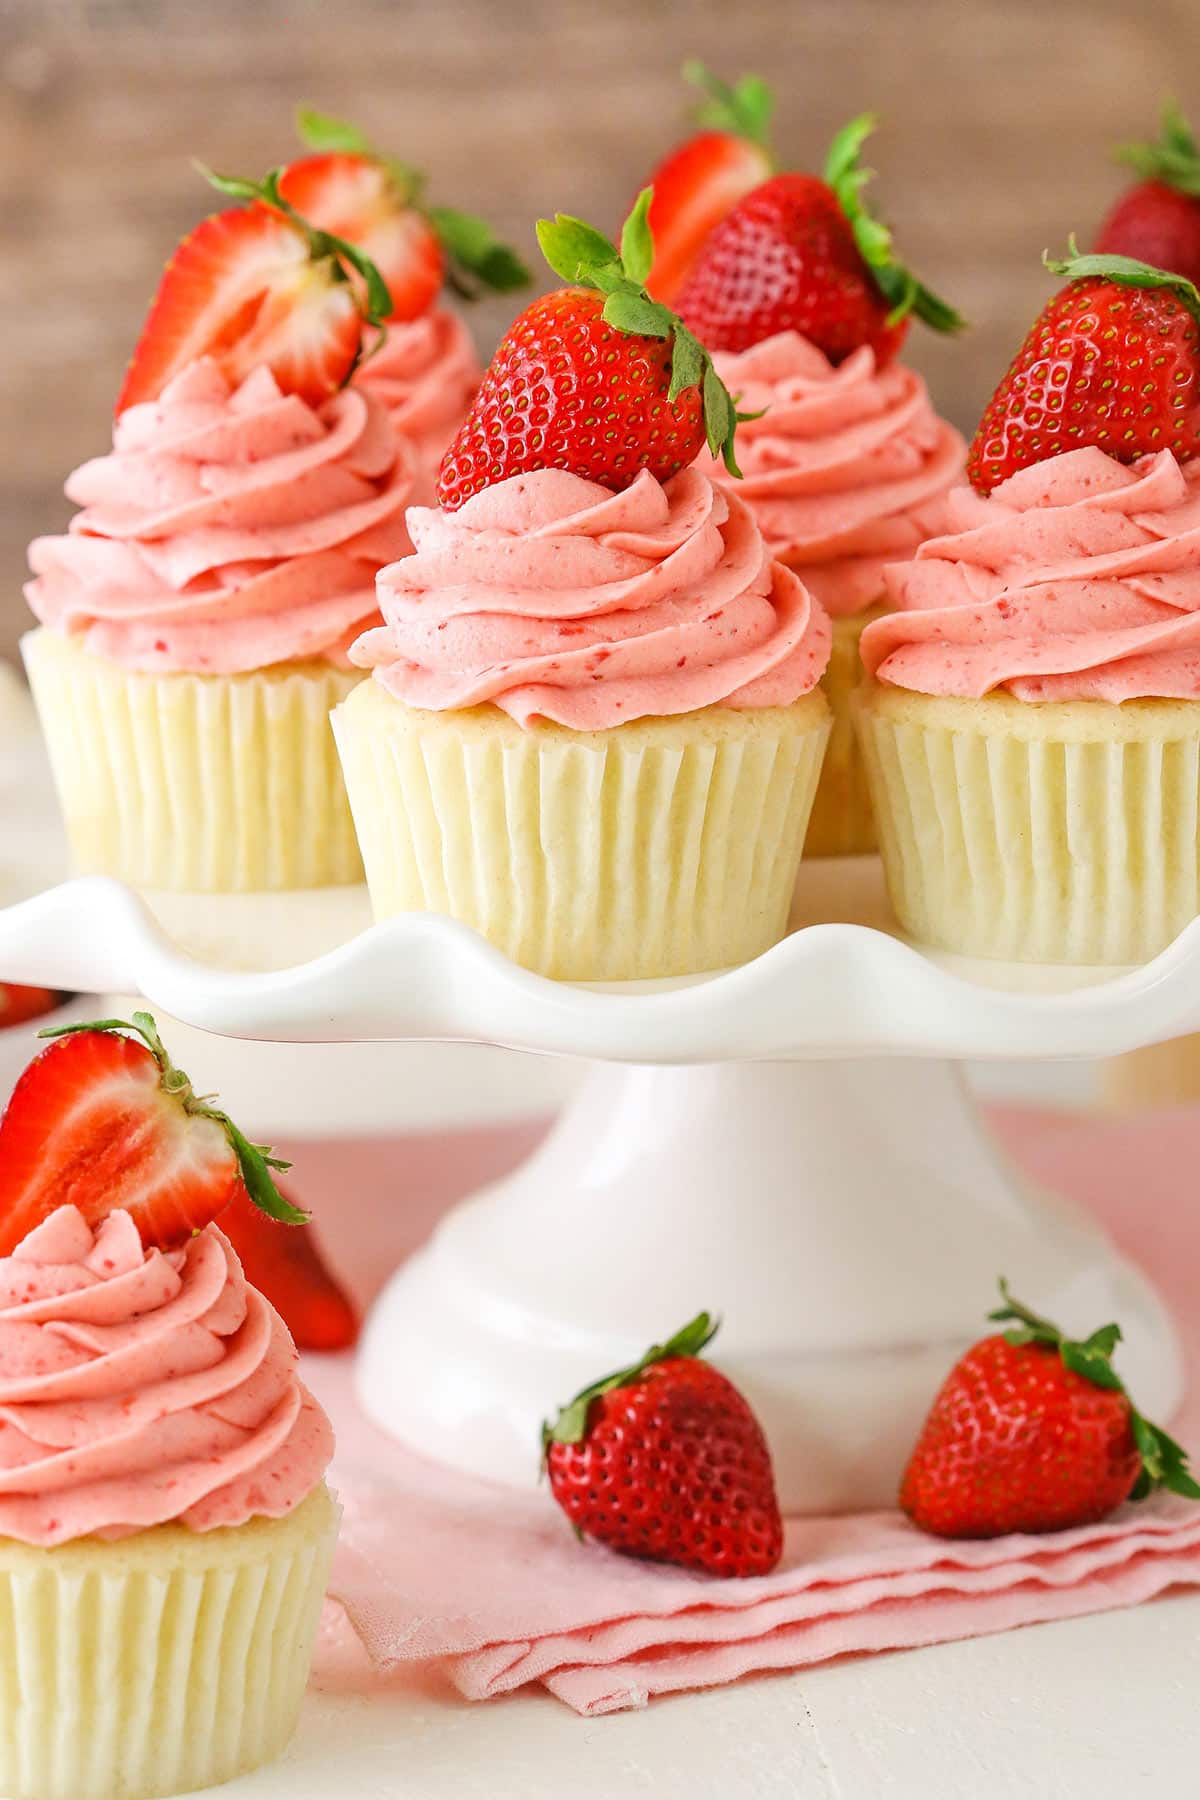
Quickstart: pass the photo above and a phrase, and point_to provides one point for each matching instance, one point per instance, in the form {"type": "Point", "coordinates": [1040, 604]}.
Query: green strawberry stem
{"type": "Point", "coordinates": [1173, 159]}
{"type": "Point", "coordinates": [1124, 271]}
{"type": "Point", "coordinates": [585, 257]}
{"type": "Point", "coordinates": [475, 257]}
{"type": "Point", "coordinates": [1164, 1462]}
{"type": "Point", "coordinates": [570, 1427]}
{"type": "Point", "coordinates": [898, 285]}
{"type": "Point", "coordinates": [743, 107]}
{"type": "Point", "coordinates": [255, 1161]}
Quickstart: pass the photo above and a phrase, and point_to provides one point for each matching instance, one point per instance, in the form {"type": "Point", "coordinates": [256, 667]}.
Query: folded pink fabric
{"type": "Point", "coordinates": [492, 1582]}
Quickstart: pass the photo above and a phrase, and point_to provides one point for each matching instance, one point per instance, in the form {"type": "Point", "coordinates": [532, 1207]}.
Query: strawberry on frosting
{"type": "Point", "coordinates": [550, 596]}
{"type": "Point", "coordinates": [230, 528]}
{"type": "Point", "coordinates": [847, 467]}
{"type": "Point", "coordinates": [1078, 579]}
{"type": "Point", "coordinates": [139, 1386]}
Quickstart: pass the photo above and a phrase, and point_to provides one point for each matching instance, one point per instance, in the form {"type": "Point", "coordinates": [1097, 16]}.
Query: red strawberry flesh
{"type": "Point", "coordinates": [18, 1005]}
{"type": "Point", "coordinates": [284, 1262]}
{"type": "Point", "coordinates": [694, 189]}
{"type": "Point", "coordinates": [356, 197]}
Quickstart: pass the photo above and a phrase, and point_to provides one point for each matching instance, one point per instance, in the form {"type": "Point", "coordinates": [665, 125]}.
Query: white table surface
{"type": "Point", "coordinates": [1101, 1708]}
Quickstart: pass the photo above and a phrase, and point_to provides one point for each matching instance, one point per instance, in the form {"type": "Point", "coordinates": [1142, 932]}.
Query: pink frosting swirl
{"type": "Point", "coordinates": [229, 529]}
{"type": "Point", "coordinates": [552, 597]}
{"type": "Point", "coordinates": [1077, 579]}
{"type": "Point", "coordinates": [426, 375]}
{"type": "Point", "coordinates": [846, 469]}
{"type": "Point", "coordinates": [139, 1387]}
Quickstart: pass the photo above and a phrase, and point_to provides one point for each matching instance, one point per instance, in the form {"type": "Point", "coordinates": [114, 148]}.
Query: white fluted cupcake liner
{"type": "Point", "coordinates": [163, 1662]}
{"type": "Point", "coordinates": [1061, 832]}
{"type": "Point", "coordinates": [842, 822]}
{"type": "Point", "coordinates": [196, 783]}
{"type": "Point", "coordinates": [662, 847]}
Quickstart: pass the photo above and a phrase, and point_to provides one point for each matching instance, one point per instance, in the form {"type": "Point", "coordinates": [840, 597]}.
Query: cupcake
{"type": "Point", "coordinates": [165, 1527]}
{"type": "Point", "coordinates": [423, 367]}
{"type": "Point", "coordinates": [196, 615]}
{"type": "Point", "coordinates": [843, 460]}
{"type": "Point", "coordinates": [1030, 718]}
{"type": "Point", "coordinates": [594, 727]}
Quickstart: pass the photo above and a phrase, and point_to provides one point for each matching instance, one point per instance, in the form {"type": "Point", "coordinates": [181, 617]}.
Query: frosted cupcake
{"type": "Point", "coordinates": [594, 727]}
{"type": "Point", "coordinates": [165, 1528]}
{"type": "Point", "coordinates": [1030, 718]}
{"type": "Point", "coordinates": [798, 294]}
{"type": "Point", "coordinates": [846, 470]}
{"type": "Point", "coordinates": [197, 613]}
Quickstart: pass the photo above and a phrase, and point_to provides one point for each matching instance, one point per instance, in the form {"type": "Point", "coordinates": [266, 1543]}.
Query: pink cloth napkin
{"type": "Point", "coordinates": [492, 1583]}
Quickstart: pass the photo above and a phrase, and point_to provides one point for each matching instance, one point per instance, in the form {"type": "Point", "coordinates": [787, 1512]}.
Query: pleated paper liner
{"type": "Point", "coordinates": [1062, 832]}
{"type": "Point", "coordinates": [662, 847]}
{"type": "Point", "coordinates": [196, 783]}
{"type": "Point", "coordinates": [842, 822]}
{"type": "Point", "coordinates": [163, 1662]}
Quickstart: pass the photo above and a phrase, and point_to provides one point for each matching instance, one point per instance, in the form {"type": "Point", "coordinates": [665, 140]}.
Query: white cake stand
{"type": "Point", "coordinates": [789, 1144]}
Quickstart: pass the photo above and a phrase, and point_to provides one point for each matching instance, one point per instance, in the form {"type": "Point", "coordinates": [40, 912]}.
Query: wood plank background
{"type": "Point", "coordinates": [998, 116]}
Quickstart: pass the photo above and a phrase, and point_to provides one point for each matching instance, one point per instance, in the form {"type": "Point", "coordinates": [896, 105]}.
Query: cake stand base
{"type": "Point", "coordinates": [847, 1220]}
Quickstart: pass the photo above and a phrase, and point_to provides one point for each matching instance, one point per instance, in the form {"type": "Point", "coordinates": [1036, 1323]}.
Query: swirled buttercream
{"type": "Point", "coordinates": [847, 467]}
{"type": "Point", "coordinates": [552, 597]}
{"type": "Point", "coordinates": [426, 374]}
{"type": "Point", "coordinates": [229, 529]}
{"type": "Point", "coordinates": [139, 1387]}
{"type": "Point", "coordinates": [1077, 579]}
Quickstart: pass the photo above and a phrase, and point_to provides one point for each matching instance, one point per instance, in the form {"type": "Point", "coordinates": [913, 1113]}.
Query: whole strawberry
{"type": "Point", "coordinates": [1158, 220]}
{"type": "Point", "coordinates": [377, 203]}
{"type": "Point", "coordinates": [700, 181]}
{"type": "Point", "coordinates": [1113, 361]}
{"type": "Point", "coordinates": [596, 378]}
{"type": "Point", "coordinates": [103, 1119]}
{"type": "Point", "coordinates": [1034, 1432]}
{"type": "Point", "coordinates": [665, 1460]}
{"type": "Point", "coordinates": [804, 254]}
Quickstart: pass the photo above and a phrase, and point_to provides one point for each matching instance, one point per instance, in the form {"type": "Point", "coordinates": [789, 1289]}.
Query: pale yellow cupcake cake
{"type": "Point", "coordinates": [165, 1527]}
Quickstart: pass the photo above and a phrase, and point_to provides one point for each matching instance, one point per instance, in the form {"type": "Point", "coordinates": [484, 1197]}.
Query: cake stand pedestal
{"type": "Point", "coordinates": [788, 1144]}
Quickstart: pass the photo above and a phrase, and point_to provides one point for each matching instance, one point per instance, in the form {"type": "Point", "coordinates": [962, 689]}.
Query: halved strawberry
{"type": "Point", "coordinates": [20, 1004]}
{"type": "Point", "coordinates": [105, 1122]}
{"type": "Point", "coordinates": [357, 197]}
{"type": "Point", "coordinates": [698, 183]}
{"type": "Point", "coordinates": [375, 202]}
{"type": "Point", "coordinates": [258, 287]}
{"type": "Point", "coordinates": [285, 1264]}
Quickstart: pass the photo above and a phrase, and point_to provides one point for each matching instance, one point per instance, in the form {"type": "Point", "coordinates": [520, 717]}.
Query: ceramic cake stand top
{"type": "Point", "coordinates": [851, 987]}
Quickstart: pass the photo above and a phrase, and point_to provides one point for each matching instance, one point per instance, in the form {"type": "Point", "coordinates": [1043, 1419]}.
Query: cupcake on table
{"type": "Point", "coordinates": [197, 614]}
{"type": "Point", "coordinates": [1031, 714]}
{"type": "Point", "coordinates": [426, 369]}
{"type": "Point", "coordinates": [165, 1527]}
{"type": "Point", "coordinates": [594, 727]}
{"type": "Point", "coordinates": [796, 290]}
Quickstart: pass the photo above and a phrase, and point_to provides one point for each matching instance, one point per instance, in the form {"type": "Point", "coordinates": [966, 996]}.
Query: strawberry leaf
{"type": "Point", "coordinates": [743, 107]}
{"type": "Point", "coordinates": [637, 240]}
{"type": "Point", "coordinates": [570, 1427]}
{"type": "Point", "coordinates": [898, 285]}
{"type": "Point", "coordinates": [1124, 271]}
{"type": "Point", "coordinates": [320, 131]}
{"type": "Point", "coordinates": [478, 258]}
{"type": "Point", "coordinates": [639, 315]}
{"type": "Point", "coordinates": [573, 248]}
{"type": "Point", "coordinates": [1174, 159]}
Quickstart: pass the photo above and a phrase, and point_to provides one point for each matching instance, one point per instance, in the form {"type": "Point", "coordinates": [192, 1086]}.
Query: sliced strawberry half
{"type": "Point", "coordinates": [285, 1264]}
{"type": "Point", "coordinates": [703, 179]}
{"type": "Point", "coordinates": [377, 203]}
{"type": "Point", "coordinates": [103, 1120]}
{"type": "Point", "coordinates": [245, 289]}
{"type": "Point", "coordinates": [358, 198]}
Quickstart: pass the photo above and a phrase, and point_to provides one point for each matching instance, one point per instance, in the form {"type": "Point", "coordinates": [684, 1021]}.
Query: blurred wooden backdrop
{"type": "Point", "coordinates": [998, 115]}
